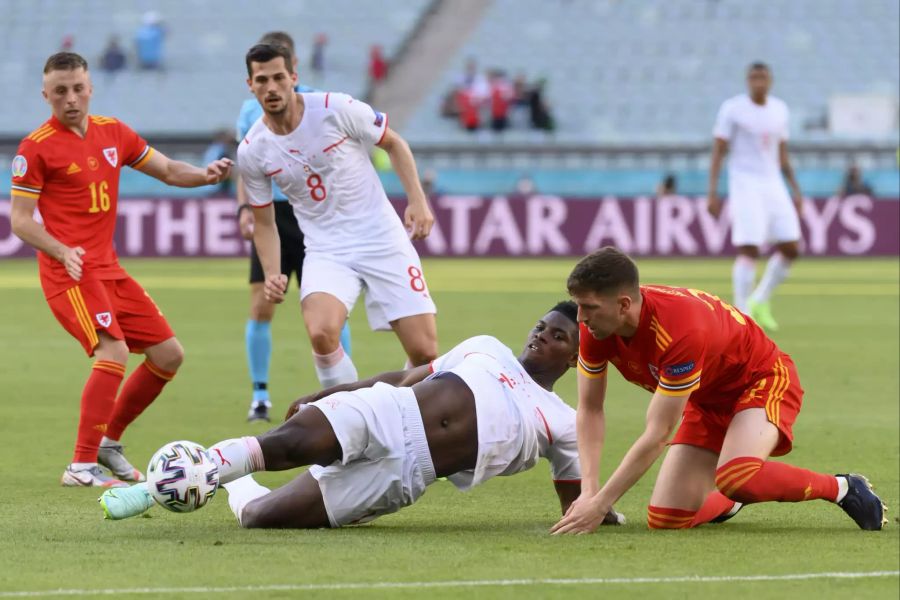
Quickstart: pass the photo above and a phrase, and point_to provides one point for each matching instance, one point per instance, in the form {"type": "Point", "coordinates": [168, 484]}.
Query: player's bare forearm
{"type": "Point", "coordinates": [31, 232]}
{"type": "Point", "coordinates": [663, 415]}
{"type": "Point", "coordinates": [417, 218]}
{"type": "Point", "coordinates": [788, 171]}
{"type": "Point", "coordinates": [639, 458]}
{"type": "Point", "coordinates": [720, 148]}
{"type": "Point", "coordinates": [590, 425]}
{"type": "Point", "coordinates": [266, 239]}
{"type": "Point", "coordinates": [406, 378]}
{"type": "Point", "coordinates": [181, 174]}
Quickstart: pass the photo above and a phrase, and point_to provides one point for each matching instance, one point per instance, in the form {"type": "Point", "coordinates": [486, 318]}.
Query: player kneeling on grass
{"type": "Point", "coordinates": [732, 394]}
{"type": "Point", "coordinates": [472, 414]}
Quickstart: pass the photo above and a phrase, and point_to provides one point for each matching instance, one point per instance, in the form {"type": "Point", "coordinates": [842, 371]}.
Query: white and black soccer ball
{"type": "Point", "coordinates": [182, 477]}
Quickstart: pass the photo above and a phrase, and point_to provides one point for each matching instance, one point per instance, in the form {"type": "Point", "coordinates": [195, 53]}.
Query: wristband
{"type": "Point", "coordinates": [241, 209]}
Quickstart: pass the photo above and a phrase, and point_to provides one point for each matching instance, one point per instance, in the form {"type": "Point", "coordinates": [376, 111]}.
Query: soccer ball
{"type": "Point", "coordinates": [182, 477]}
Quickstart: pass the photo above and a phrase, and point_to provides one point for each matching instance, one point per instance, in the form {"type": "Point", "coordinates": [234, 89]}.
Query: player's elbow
{"type": "Point", "coordinates": [18, 221]}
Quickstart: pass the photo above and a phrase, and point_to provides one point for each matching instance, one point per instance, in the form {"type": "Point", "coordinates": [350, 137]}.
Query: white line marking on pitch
{"type": "Point", "coordinates": [387, 585]}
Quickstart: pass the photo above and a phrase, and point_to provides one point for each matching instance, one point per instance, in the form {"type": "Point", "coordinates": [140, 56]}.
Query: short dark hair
{"type": "Point", "coordinates": [568, 309]}
{"type": "Point", "coordinates": [262, 53]}
{"type": "Point", "coordinates": [279, 38]}
{"type": "Point", "coordinates": [604, 271]}
{"type": "Point", "coordinates": [758, 65]}
{"type": "Point", "coordinates": [65, 61]}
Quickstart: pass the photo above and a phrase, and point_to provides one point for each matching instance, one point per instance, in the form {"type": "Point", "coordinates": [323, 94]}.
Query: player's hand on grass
{"type": "Point", "coordinates": [218, 170]}
{"type": "Point", "coordinates": [713, 204]}
{"type": "Point", "coordinates": [275, 287]}
{"type": "Point", "coordinates": [418, 221]}
{"type": "Point", "coordinates": [71, 260]}
{"type": "Point", "coordinates": [584, 516]}
{"type": "Point", "coordinates": [245, 221]}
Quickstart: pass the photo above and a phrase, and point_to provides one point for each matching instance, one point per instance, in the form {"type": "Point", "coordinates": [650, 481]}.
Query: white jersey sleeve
{"type": "Point", "coordinates": [724, 126]}
{"type": "Point", "coordinates": [563, 455]}
{"type": "Point", "coordinates": [359, 120]}
{"type": "Point", "coordinates": [253, 176]}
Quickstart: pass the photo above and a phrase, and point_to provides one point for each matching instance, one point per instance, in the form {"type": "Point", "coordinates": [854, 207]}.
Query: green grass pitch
{"type": "Point", "coordinates": [839, 322]}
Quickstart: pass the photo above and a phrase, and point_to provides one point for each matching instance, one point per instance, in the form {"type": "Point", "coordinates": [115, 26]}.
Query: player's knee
{"type": "Point", "coordinates": [324, 339]}
{"type": "Point", "coordinates": [171, 359]}
{"type": "Point", "coordinates": [253, 515]}
{"type": "Point", "coordinates": [790, 251]}
{"type": "Point", "coordinates": [423, 355]}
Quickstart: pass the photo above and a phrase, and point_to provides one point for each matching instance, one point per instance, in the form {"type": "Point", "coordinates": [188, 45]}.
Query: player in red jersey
{"type": "Point", "coordinates": [69, 169]}
{"type": "Point", "coordinates": [710, 367]}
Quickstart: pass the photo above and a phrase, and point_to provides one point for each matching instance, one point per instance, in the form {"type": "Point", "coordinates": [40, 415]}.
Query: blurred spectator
{"type": "Point", "coordinates": [378, 66]}
{"type": "Point", "coordinates": [222, 146]}
{"type": "Point", "coordinates": [540, 112]}
{"type": "Point", "coordinates": [113, 58]}
{"type": "Point", "coordinates": [500, 99]}
{"type": "Point", "coordinates": [317, 57]}
{"type": "Point", "coordinates": [149, 41]}
{"type": "Point", "coordinates": [474, 81]}
{"type": "Point", "coordinates": [854, 184]}
{"type": "Point", "coordinates": [668, 186]}
{"type": "Point", "coordinates": [525, 186]}
{"type": "Point", "coordinates": [67, 43]}
{"type": "Point", "coordinates": [520, 112]}
{"type": "Point", "coordinates": [468, 105]}
{"type": "Point", "coordinates": [449, 105]}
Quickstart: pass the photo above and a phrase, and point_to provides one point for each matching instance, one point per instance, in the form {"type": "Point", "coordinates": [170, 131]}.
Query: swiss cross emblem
{"type": "Point", "coordinates": [104, 318]}
{"type": "Point", "coordinates": [111, 155]}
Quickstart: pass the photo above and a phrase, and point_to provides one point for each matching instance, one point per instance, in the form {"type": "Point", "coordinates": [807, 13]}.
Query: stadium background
{"type": "Point", "coordinates": [633, 87]}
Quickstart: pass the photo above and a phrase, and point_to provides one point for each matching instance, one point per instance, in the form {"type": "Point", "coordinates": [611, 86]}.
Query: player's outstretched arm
{"type": "Point", "coordinates": [663, 415]}
{"type": "Point", "coordinates": [788, 171]}
{"type": "Point", "coordinates": [268, 248]}
{"type": "Point", "coordinates": [33, 233]}
{"type": "Point", "coordinates": [182, 174]}
{"type": "Point", "coordinates": [713, 203]}
{"type": "Point", "coordinates": [590, 426]}
{"type": "Point", "coordinates": [406, 378]}
{"type": "Point", "coordinates": [417, 218]}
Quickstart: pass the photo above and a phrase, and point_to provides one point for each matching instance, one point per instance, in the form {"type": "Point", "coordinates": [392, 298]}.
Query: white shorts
{"type": "Point", "coordinates": [761, 210]}
{"type": "Point", "coordinates": [393, 282]}
{"type": "Point", "coordinates": [386, 464]}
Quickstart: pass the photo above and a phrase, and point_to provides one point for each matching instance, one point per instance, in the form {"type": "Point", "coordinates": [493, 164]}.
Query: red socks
{"type": "Point", "coordinates": [97, 401]}
{"type": "Point", "coordinates": [141, 389]}
{"type": "Point", "coordinates": [747, 480]}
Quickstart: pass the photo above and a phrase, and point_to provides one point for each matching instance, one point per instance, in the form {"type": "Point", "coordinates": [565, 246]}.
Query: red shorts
{"type": "Point", "coordinates": [779, 394]}
{"type": "Point", "coordinates": [118, 307]}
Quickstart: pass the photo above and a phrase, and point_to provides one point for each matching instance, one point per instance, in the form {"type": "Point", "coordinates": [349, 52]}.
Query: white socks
{"type": "Point", "coordinates": [777, 269]}
{"type": "Point", "coordinates": [335, 368]}
{"type": "Point", "coordinates": [743, 274]}
{"type": "Point", "coordinates": [242, 492]}
{"type": "Point", "coordinates": [237, 457]}
{"type": "Point", "coordinates": [843, 488]}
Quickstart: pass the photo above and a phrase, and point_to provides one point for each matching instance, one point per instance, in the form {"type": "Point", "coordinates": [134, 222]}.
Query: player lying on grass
{"type": "Point", "coordinates": [472, 414]}
{"type": "Point", "coordinates": [732, 394]}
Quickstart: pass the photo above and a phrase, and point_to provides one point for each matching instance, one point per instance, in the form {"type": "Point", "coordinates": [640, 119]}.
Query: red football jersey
{"type": "Point", "coordinates": [76, 183]}
{"type": "Point", "coordinates": [687, 342]}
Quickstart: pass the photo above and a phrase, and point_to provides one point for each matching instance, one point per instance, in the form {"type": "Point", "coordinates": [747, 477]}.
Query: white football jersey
{"type": "Point", "coordinates": [323, 168]}
{"type": "Point", "coordinates": [518, 420]}
{"type": "Point", "coordinates": [754, 134]}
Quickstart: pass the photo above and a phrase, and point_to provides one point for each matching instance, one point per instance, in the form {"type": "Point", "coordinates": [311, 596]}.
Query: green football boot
{"type": "Point", "coordinates": [123, 503]}
{"type": "Point", "coordinates": [762, 314]}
